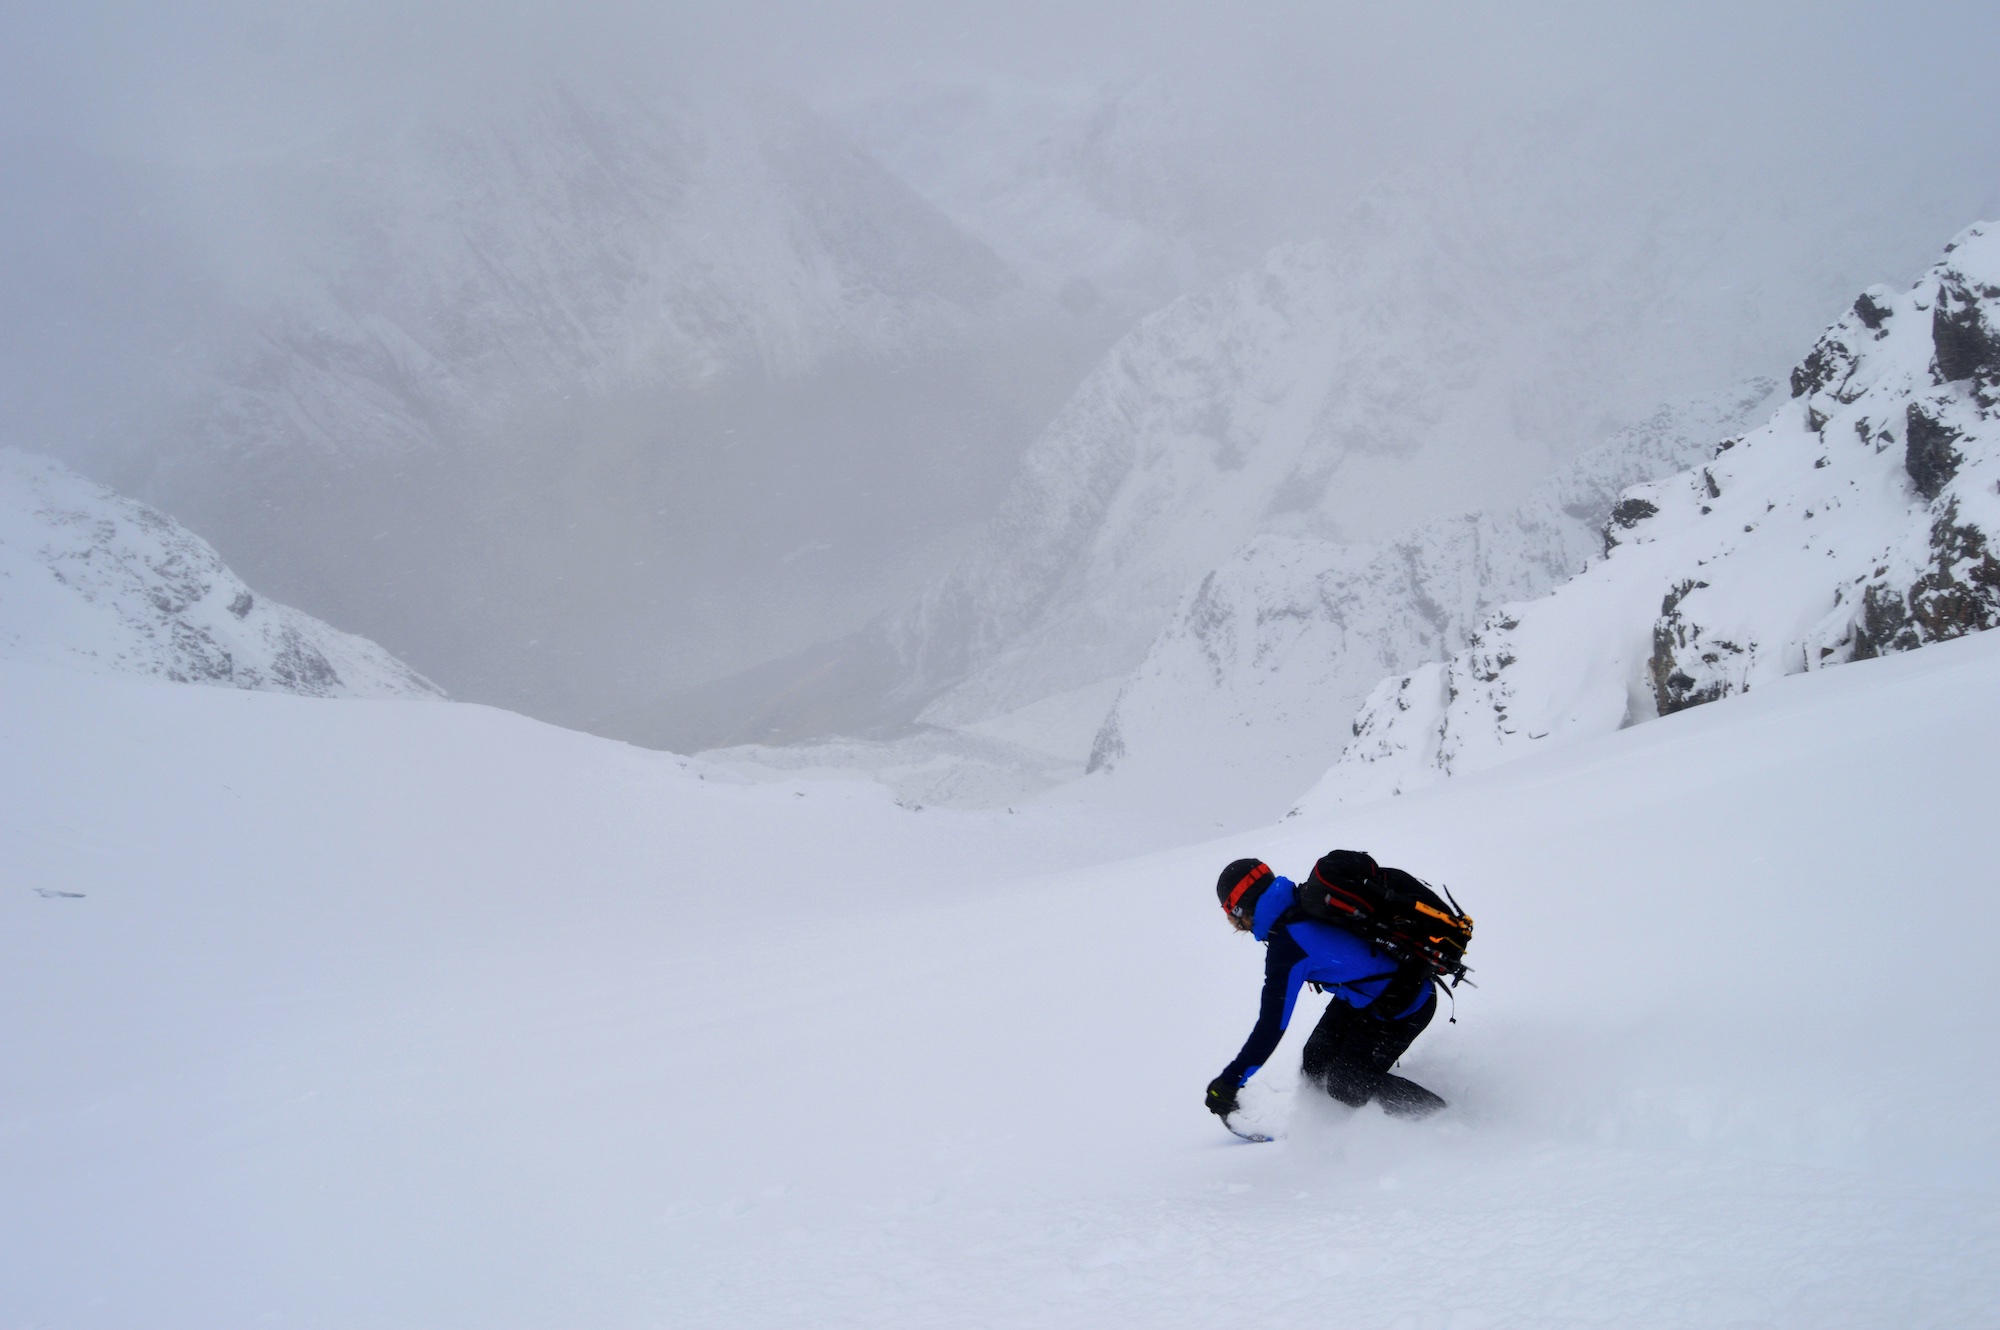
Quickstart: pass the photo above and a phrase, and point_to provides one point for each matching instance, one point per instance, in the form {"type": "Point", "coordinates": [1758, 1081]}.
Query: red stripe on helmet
{"type": "Point", "coordinates": [1250, 879]}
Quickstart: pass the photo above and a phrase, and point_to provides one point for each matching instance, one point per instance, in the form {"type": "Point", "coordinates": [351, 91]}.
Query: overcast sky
{"type": "Point", "coordinates": [198, 76]}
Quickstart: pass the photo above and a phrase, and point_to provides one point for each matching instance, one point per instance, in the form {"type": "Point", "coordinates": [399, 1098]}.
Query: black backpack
{"type": "Point", "coordinates": [1397, 912]}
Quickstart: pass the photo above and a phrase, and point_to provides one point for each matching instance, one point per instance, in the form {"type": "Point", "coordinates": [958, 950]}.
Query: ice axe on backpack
{"type": "Point", "coordinates": [1398, 912]}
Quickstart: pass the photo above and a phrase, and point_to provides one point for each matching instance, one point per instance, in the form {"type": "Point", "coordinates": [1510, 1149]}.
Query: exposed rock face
{"type": "Point", "coordinates": [1929, 456]}
{"type": "Point", "coordinates": [1958, 593]}
{"type": "Point", "coordinates": [1625, 515]}
{"type": "Point", "coordinates": [1962, 330]}
{"type": "Point", "coordinates": [1673, 688]}
{"type": "Point", "coordinates": [92, 579]}
{"type": "Point", "coordinates": [1820, 538]}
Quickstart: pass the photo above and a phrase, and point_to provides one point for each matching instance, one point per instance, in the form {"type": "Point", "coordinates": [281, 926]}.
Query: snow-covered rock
{"type": "Point", "coordinates": [1246, 696]}
{"type": "Point", "coordinates": [1858, 521]}
{"type": "Point", "coordinates": [90, 578]}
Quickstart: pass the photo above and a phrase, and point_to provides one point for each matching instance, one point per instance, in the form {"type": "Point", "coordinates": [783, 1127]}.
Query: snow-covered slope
{"type": "Point", "coordinates": [1441, 347]}
{"type": "Point", "coordinates": [385, 1014]}
{"type": "Point", "coordinates": [1858, 521]}
{"type": "Point", "coordinates": [1246, 697]}
{"type": "Point", "coordinates": [90, 578]}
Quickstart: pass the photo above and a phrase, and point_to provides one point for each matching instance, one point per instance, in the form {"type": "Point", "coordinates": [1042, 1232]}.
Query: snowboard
{"type": "Point", "coordinates": [1397, 1097]}
{"type": "Point", "coordinates": [1246, 1132]}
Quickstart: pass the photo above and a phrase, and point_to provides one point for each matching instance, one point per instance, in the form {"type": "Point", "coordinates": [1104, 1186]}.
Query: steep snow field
{"type": "Point", "coordinates": [344, 1013]}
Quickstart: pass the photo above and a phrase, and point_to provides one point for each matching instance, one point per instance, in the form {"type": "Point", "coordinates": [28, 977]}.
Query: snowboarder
{"type": "Point", "coordinates": [1378, 1007]}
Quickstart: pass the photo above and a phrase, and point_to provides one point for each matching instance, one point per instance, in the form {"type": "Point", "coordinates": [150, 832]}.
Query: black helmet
{"type": "Point", "coordinates": [1240, 885]}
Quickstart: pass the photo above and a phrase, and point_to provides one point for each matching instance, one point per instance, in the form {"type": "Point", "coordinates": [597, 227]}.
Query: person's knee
{"type": "Point", "coordinates": [1317, 1060]}
{"type": "Point", "coordinates": [1353, 1086]}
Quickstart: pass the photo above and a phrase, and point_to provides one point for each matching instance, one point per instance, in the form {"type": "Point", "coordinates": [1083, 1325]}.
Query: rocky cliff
{"type": "Point", "coordinates": [1858, 520]}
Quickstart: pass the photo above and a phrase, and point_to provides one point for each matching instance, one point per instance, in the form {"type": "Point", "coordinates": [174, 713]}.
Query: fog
{"type": "Point", "coordinates": [584, 356]}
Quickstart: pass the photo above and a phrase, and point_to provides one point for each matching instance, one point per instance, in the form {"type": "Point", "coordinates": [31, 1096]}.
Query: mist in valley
{"type": "Point", "coordinates": [714, 373]}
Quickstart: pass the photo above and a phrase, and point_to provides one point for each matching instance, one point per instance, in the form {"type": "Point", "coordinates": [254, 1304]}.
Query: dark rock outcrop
{"type": "Point", "coordinates": [1958, 594]}
{"type": "Point", "coordinates": [1967, 347]}
{"type": "Point", "coordinates": [1826, 364]}
{"type": "Point", "coordinates": [1871, 314]}
{"type": "Point", "coordinates": [1929, 455]}
{"type": "Point", "coordinates": [1674, 688]}
{"type": "Point", "coordinates": [1626, 515]}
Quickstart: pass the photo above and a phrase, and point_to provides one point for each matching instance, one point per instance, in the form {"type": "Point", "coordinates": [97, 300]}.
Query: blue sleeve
{"type": "Point", "coordinates": [1284, 972]}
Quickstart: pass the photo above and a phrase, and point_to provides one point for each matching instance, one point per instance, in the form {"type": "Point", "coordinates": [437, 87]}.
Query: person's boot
{"type": "Point", "coordinates": [1406, 1099]}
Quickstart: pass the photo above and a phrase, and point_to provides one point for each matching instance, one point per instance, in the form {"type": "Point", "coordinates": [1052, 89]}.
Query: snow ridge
{"type": "Point", "coordinates": [90, 577]}
{"type": "Point", "coordinates": [1857, 521]}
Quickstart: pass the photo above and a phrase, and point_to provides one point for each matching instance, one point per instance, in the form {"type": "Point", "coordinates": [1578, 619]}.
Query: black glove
{"type": "Point", "coordinates": [1222, 1095]}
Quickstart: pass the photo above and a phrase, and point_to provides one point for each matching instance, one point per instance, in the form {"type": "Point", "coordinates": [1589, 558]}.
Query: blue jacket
{"type": "Point", "coordinates": [1300, 951]}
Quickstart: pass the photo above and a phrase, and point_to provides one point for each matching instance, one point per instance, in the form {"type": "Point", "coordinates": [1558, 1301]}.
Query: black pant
{"type": "Point", "coordinates": [1350, 1052]}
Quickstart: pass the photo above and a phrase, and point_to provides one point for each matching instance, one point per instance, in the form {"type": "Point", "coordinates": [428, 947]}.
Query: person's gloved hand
{"type": "Point", "coordinates": [1222, 1095]}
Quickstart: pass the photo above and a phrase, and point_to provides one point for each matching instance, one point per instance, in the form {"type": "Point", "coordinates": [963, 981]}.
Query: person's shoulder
{"type": "Point", "coordinates": [1272, 907]}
